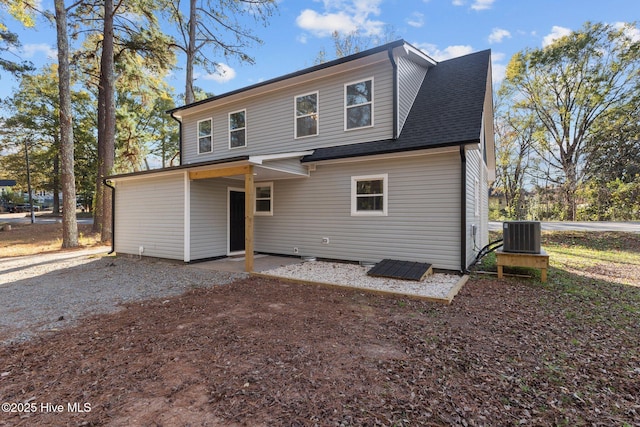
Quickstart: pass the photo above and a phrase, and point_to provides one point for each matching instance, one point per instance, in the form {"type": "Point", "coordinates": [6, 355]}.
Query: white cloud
{"type": "Point", "coordinates": [323, 25]}
{"type": "Point", "coordinates": [476, 5]}
{"type": "Point", "coordinates": [556, 33]}
{"type": "Point", "coordinates": [344, 16]}
{"type": "Point", "coordinates": [498, 34]}
{"type": "Point", "coordinates": [482, 4]}
{"type": "Point", "coordinates": [448, 52]}
{"type": "Point", "coordinates": [416, 20]}
{"type": "Point", "coordinates": [365, 7]}
{"type": "Point", "coordinates": [632, 32]}
{"type": "Point", "coordinates": [31, 50]}
{"type": "Point", "coordinates": [497, 56]}
{"type": "Point", "coordinates": [498, 70]}
{"type": "Point", "coordinates": [223, 74]}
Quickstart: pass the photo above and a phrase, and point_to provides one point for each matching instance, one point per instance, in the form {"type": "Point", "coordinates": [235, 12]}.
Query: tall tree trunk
{"type": "Point", "coordinates": [569, 190]}
{"type": "Point", "coordinates": [189, 95]}
{"type": "Point", "coordinates": [69, 223]}
{"type": "Point", "coordinates": [97, 207]}
{"type": "Point", "coordinates": [56, 181]}
{"type": "Point", "coordinates": [106, 127]}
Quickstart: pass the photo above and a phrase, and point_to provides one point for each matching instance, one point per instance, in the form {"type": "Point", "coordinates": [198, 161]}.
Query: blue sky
{"type": "Point", "coordinates": [441, 28]}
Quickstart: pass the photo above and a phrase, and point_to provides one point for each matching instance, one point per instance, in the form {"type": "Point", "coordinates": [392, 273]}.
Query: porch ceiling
{"type": "Point", "coordinates": [265, 168]}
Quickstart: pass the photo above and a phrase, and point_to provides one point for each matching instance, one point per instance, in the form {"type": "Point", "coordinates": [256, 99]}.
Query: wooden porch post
{"type": "Point", "coordinates": [249, 196]}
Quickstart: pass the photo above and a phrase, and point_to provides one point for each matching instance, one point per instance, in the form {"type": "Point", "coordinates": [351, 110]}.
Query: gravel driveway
{"type": "Point", "coordinates": [46, 292]}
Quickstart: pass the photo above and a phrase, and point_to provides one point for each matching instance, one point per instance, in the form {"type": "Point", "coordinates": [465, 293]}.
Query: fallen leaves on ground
{"type": "Point", "coordinates": [263, 352]}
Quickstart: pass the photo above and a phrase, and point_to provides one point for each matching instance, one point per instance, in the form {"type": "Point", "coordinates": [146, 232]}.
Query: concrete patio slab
{"type": "Point", "coordinates": [261, 262]}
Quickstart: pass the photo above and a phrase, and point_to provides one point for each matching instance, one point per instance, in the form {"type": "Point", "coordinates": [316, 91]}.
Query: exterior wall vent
{"type": "Point", "coordinates": [521, 237]}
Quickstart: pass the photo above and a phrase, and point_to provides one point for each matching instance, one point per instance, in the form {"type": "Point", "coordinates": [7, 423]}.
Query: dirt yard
{"type": "Point", "coordinates": [24, 239]}
{"type": "Point", "coordinates": [259, 352]}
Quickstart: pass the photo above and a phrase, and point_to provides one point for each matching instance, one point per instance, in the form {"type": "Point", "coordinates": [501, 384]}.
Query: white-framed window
{"type": "Point", "coordinates": [369, 195]}
{"type": "Point", "coordinates": [358, 104]}
{"type": "Point", "coordinates": [306, 115]}
{"type": "Point", "coordinates": [238, 129]}
{"type": "Point", "coordinates": [205, 136]}
{"type": "Point", "coordinates": [264, 198]}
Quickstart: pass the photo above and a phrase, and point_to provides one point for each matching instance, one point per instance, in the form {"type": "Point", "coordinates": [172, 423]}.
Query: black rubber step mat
{"type": "Point", "coordinates": [402, 270]}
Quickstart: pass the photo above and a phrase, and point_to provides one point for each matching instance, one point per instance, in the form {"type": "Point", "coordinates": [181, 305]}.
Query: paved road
{"type": "Point", "coordinates": [630, 227]}
{"type": "Point", "coordinates": [25, 218]}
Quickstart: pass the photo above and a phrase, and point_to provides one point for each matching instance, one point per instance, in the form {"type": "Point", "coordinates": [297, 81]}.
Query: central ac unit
{"type": "Point", "coordinates": [521, 237]}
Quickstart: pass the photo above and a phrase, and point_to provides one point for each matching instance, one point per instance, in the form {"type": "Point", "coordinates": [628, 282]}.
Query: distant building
{"type": "Point", "coordinates": [6, 184]}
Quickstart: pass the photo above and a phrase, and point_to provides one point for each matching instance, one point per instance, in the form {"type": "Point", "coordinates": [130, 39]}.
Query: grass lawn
{"type": "Point", "coordinates": [579, 258]}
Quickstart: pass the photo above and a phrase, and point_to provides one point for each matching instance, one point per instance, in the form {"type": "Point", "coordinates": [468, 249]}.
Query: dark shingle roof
{"type": "Point", "coordinates": [447, 111]}
{"type": "Point", "coordinates": [7, 182]}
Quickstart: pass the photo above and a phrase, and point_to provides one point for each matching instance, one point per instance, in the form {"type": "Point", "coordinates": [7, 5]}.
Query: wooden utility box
{"type": "Point", "coordinates": [512, 259]}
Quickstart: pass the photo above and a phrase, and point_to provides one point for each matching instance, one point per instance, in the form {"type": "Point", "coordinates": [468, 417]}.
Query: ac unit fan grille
{"type": "Point", "coordinates": [521, 237]}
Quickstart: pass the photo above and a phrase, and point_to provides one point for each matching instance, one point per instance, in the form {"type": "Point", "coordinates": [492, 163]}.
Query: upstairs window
{"type": "Point", "coordinates": [264, 198]}
{"type": "Point", "coordinates": [358, 104]}
{"type": "Point", "coordinates": [237, 129]}
{"type": "Point", "coordinates": [205, 136]}
{"type": "Point", "coordinates": [306, 107]}
{"type": "Point", "coordinates": [369, 195]}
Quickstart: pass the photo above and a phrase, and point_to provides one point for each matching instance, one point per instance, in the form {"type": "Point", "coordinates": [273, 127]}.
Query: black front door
{"type": "Point", "coordinates": [236, 221]}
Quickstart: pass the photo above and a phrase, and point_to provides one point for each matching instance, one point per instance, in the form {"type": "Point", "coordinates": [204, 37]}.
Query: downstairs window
{"type": "Point", "coordinates": [369, 195]}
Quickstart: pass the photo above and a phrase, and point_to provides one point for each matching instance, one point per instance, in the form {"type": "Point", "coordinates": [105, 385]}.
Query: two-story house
{"type": "Point", "coordinates": [382, 154]}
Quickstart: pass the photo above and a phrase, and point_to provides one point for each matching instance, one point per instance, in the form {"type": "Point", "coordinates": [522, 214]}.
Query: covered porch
{"type": "Point", "coordinates": [249, 172]}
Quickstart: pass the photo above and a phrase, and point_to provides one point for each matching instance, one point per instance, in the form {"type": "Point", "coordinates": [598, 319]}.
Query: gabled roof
{"type": "Point", "coordinates": [447, 111]}
{"type": "Point", "coordinates": [409, 50]}
{"type": "Point", "coordinates": [7, 182]}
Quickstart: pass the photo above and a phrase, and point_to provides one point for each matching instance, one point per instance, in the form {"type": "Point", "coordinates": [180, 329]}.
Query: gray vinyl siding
{"type": "Point", "coordinates": [422, 222]}
{"type": "Point", "coordinates": [209, 218]}
{"type": "Point", "coordinates": [484, 220]}
{"type": "Point", "coordinates": [150, 213]}
{"type": "Point", "coordinates": [484, 185]}
{"type": "Point", "coordinates": [475, 166]}
{"type": "Point", "coordinates": [410, 77]}
{"type": "Point", "coordinates": [270, 117]}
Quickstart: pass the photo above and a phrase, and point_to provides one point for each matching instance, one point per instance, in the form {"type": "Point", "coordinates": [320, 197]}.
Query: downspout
{"type": "Point", "coordinates": [179, 134]}
{"type": "Point", "coordinates": [463, 210]}
{"type": "Point", "coordinates": [113, 215]}
{"type": "Point", "coordinates": [395, 92]}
